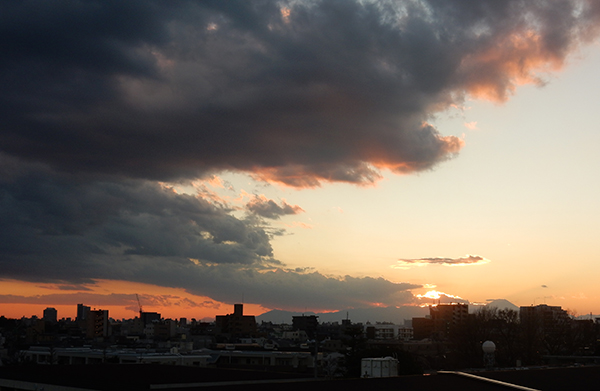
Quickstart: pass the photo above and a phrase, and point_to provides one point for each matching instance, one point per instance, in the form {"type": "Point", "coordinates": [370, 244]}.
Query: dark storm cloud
{"type": "Point", "coordinates": [59, 229]}
{"type": "Point", "coordinates": [299, 92]}
{"type": "Point", "coordinates": [288, 289]}
{"type": "Point", "coordinates": [272, 289]}
{"type": "Point", "coordinates": [267, 208]}
{"type": "Point", "coordinates": [157, 91]}
{"type": "Point", "coordinates": [56, 227]}
{"type": "Point", "coordinates": [275, 288]}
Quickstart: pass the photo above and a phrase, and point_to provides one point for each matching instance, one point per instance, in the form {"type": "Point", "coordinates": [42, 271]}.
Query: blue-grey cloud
{"type": "Point", "coordinates": [299, 92]}
{"type": "Point", "coordinates": [57, 229]}
{"type": "Point", "coordinates": [264, 207]}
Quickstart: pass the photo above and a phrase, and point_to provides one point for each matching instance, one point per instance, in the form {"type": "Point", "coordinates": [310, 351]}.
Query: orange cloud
{"type": "Point", "coordinates": [514, 59]}
{"type": "Point", "coordinates": [471, 125]}
{"type": "Point", "coordinates": [215, 181]}
{"type": "Point", "coordinates": [365, 172]}
{"type": "Point", "coordinates": [305, 176]}
{"type": "Point", "coordinates": [285, 14]}
{"type": "Point", "coordinates": [462, 261]}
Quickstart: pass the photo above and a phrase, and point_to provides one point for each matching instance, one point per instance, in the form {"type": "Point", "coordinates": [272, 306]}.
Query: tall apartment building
{"type": "Point", "coordinates": [307, 323]}
{"type": "Point", "coordinates": [236, 324]}
{"type": "Point", "coordinates": [545, 329]}
{"type": "Point", "coordinates": [97, 324]}
{"type": "Point", "coordinates": [446, 316]}
{"type": "Point", "coordinates": [546, 317]}
{"type": "Point", "coordinates": [442, 318]}
{"type": "Point", "coordinates": [82, 312]}
{"type": "Point", "coordinates": [50, 315]}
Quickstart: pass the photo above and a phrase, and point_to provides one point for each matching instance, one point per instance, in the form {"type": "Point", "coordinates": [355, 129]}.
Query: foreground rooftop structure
{"type": "Point", "coordinates": [178, 378]}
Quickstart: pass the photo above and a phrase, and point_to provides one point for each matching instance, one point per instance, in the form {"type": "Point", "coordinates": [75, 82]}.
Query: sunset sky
{"type": "Point", "coordinates": [298, 155]}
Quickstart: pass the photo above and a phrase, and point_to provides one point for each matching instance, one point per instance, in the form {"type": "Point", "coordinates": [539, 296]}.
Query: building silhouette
{"type": "Point", "coordinates": [97, 325]}
{"type": "Point", "coordinates": [546, 316]}
{"type": "Point", "coordinates": [50, 315]}
{"type": "Point", "coordinates": [442, 319]}
{"type": "Point", "coordinates": [149, 317]}
{"type": "Point", "coordinates": [82, 312]}
{"type": "Point", "coordinates": [306, 323]}
{"type": "Point", "coordinates": [236, 324]}
{"type": "Point", "coordinates": [546, 329]}
{"type": "Point", "coordinates": [422, 327]}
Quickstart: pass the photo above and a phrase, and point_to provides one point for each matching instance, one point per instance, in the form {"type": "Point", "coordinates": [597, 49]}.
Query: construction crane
{"type": "Point", "coordinates": [139, 304]}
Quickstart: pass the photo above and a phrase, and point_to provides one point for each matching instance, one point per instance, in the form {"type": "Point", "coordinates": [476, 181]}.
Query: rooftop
{"type": "Point", "coordinates": [143, 377]}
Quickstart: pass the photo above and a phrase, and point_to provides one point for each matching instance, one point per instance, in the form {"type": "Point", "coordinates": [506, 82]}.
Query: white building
{"type": "Point", "coordinates": [388, 331]}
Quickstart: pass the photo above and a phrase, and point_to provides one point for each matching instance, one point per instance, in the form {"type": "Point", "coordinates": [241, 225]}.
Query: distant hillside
{"type": "Point", "coordinates": [356, 315]}
{"type": "Point", "coordinates": [395, 315]}
{"type": "Point", "coordinates": [587, 317]}
{"type": "Point", "coordinates": [502, 304]}
{"type": "Point", "coordinates": [280, 316]}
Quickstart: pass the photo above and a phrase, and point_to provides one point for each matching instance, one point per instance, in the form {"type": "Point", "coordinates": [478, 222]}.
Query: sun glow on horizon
{"type": "Point", "coordinates": [439, 296]}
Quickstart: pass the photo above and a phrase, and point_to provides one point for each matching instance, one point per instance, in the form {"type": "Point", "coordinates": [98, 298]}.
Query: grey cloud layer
{"type": "Point", "coordinates": [332, 92]}
{"type": "Point", "coordinates": [60, 230]}
{"type": "Point", "coordinates": [101, 99]}
{"type": "Point", "coordinates": [269, 209]}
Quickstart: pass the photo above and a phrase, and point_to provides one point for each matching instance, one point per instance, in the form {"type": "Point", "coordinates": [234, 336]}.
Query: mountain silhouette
{"type": "Point", "coordinates": [396, 315]}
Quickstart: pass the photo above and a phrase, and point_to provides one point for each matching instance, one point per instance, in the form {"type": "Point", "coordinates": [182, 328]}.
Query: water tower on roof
{"type": "Point", "coordinates": [489, 348]}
